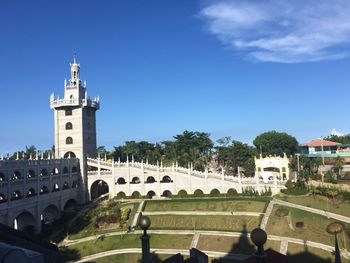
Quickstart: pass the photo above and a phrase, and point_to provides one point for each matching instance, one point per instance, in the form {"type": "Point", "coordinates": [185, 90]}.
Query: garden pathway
{"type": "Point", "coordinates": [199, 213]}
{"type": "Point", "coordinates": [137, 214]}
{"type": "Point", "coordinates": [195, 240]}
{"type": "Point", "coordinates": [284, 247]}
{"type": "Point", "coordinates": [313, 210]}
{"type": "Point", "coordinates": [267, 214]}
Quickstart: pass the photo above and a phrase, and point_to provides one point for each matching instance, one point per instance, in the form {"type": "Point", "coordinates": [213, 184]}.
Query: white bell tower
{"type": "Point", "coordinates": [75, 121]}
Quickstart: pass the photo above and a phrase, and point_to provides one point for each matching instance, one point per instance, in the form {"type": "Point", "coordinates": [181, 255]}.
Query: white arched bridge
{"type": "Point", "coordinates": [143, 179]}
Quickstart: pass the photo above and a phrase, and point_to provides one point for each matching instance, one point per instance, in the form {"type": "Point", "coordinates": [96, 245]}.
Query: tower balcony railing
{"type": "Point", "coordinates": [74, 102]}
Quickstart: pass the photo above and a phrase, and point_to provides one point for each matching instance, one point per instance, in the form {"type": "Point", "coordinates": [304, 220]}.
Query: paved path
{"type": "Point", "coordinates": [313, 210]}
{"type": "Point", "coordinates": [267, 215]}
{"type": "Point", "coordinates": [195, 240]}
{"type": "Point", "coordinates": [200, 213]}
{"type": "Point", "coordinates": [160, 251]}
{"type": "Point", "coordinates": [284, 247]}
{"type": "Point", "coordinates": [137, 214]}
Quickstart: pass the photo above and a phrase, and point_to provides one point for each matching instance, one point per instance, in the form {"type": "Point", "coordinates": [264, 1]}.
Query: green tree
{"type": "Point", "coordinates": [274, 142]}
{"type": "Point", "coordinates": [344, 139]}
{"type": "Point", "coordinates": [236, 155]}
{"type": "Point", "coordinates": [338, 165]}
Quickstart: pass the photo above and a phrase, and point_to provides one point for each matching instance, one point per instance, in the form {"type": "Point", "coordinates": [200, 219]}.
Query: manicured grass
{"type": "Point", "coordinates": [232, 205]}
{"type": "Point", "coordinates": [131, 241]}
{"type": "Point", "coordinates": [319, 202]}
{"type": "Point", "coordinates": [224, 223]}
{"type": "Point", "coordinates": [156, 258]}
{"type": "Point", "coordinates": [299, 253]}
{"type": "Point", "coordinates": [239, 245]}
{"type": "Point", "coordinates": [314, 227]}
{"type": "Point", "coordinates": [131, 258]}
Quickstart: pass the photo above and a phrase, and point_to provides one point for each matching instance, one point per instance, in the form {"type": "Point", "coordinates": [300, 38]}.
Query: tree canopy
{"type": "Point", "coordinates": [273, 142]}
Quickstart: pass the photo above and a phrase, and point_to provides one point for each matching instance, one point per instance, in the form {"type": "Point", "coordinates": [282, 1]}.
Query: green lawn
{"type": "Point", "coordinates": [224, 223]}
{"type": "Point", "coordinates": [300, 253]}
{"type": "Point", "coordinates": [130, 241]}
{"type": "Point", "coordinates": [319, 202]}
{"type": "Point", "coordinates": [232, 205]}
{"type": "Point", "coordinates": [131, 258]}
{"type": "Point", "coordinates": [239, 245]}
{"type": "Point", "coordinates": [314, 229]}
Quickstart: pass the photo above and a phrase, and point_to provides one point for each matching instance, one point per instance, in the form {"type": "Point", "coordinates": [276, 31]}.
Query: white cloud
{"type": "Point", "coordinates": [286, 31]}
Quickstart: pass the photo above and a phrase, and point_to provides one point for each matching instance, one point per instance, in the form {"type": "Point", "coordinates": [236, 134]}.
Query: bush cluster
{"type": "Point", "coordinates": [108, 219]}
{"type": "Point", "coordinates": [298, 188]}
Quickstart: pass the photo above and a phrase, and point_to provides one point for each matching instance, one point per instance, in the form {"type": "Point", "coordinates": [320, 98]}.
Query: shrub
{"type": "Point", "coordinates": [198, 193]}
{"type": "Point", "coordinates": [335, 227]}
{"type": "Point", "coordinates": [232, 192]}
{"type": "Point", "coordinates": [121, 195]}
{"type": "Point", "coordinates": [250, 191]}
{"type": "Point", "coordinates": [136, 195]}
{"type": "Point", "coordinates": [282, 211]}
{"type": "Point", "coordinates": [214, 193]}
{"type": "Point", "coordinates": [108, 219]}
{"type": "Point", "coordinates": [289, 184]}
{"type": "Point", "coordinates": [266, 192]}
{"type": "Point", "coordinates": [295, 191]}
{"type": "Point", "coordinates": [182, 194]}
{"type": "Point", "coordinates": [329, 177]}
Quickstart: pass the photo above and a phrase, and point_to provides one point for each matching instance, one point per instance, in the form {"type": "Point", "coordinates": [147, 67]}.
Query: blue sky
{"type": "Point", "coordinates": [230, 68]}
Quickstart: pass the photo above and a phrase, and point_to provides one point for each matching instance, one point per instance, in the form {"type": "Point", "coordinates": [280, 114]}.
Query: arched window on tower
{"type": "Point", "coordinates": [69, 126]}
{"type": "Point", "coordinates": [69, 140]}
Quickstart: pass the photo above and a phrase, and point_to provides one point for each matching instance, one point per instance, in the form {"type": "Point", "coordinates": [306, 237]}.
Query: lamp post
{"type": "Point", "coordinates": [298, 164]}
{"type": "Point", "coordinates": [259, 238]}
{"type": "Point", "coordinates": [145, 223]}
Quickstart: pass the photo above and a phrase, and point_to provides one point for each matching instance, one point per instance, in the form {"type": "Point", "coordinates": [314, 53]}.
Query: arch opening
{"type": "Point", "coordinates": [30, 174]}
{"type": "Point", "coordinates": [44, 172]}
{"type": "Point", "coordinates": [68, 155]}
{"type": "Point", "coordinates": [70, 206]}
{"type": "Point", "coordinates": [25, 222]}
{"type": "Point", "coordinates": [65, 186]}
{"type": "Point", "coordinates": [3, 198]}
{"type": "Point", "coordinates": [74, 169]}
{"type": "Point", "coordinates": [166, 179]}
{"type": "Point", "coordinates": [44, 190]}
{"type": "Point", "coordinates": [50, 214]}
{"type": "Point", "coordinates": [121, 180]}
{"type": "Point", "coordinates": [55, 188]}
{"type": "Point", "coordinates": [16, 175]}
{"type": "Point", "coordinates": [69, 126]}
{"type": "Point", "coordinates": [167, 194]}
{"type": "Point", "coordinates": [99, 188]}
{"type": "Point", "coordinates": [136, 195]}
{"type": "Point", "coordinates": [150, 180]}
{"type": "Point", "coordinates": [2, 177]}
{"type": "Point", "coordinates": [121, 195]}
{"type": "Point", "coordinates": [16, 195]}
{"type": "Point", "coordinates": [150, 194]}
{"type": "Point", "coordinates": [135, 180]}
{"type": "Point", "coordinates": [55, 171]}
{"type": "Point", "coordinates": [69, 140]}
{"type": "Point", "coordinates": [65, 170]}
{"type": "Point", "coordinates": [31, 192]}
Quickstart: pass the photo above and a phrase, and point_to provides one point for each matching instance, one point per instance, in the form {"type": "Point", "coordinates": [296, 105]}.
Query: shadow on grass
{"type": "Point", "coordinates": [242, 247]}
{"type": "Point", "coordinates": [70, 254]}
{"type": "Point", "coordinates": [307, 256]}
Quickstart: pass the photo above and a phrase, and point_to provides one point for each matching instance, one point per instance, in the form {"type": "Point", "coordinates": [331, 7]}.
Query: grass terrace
{"type": "Point", "coordinates": [299, 253]}
{"type": "Point", "coordinates": [229, 244]}
{"type": "Point", "coordinates": [125, 241]}
{"type": "Point", "coordinates": [217, 204]}
{"type": "Point", "coordinates": [336, 206]}
{"type": "Point", "coordinates": [313, 229]}
{"type": "Point", "coordinates": [222, 223]}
